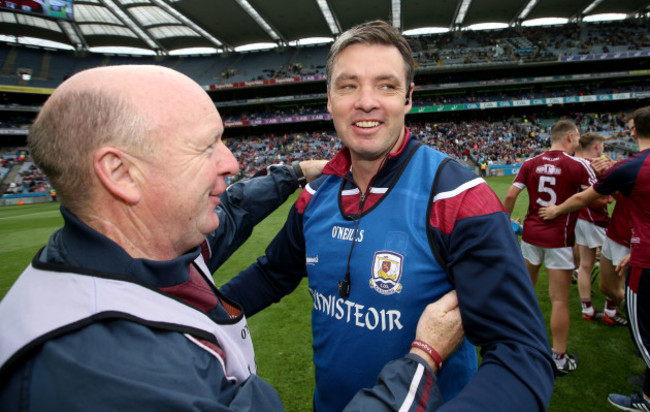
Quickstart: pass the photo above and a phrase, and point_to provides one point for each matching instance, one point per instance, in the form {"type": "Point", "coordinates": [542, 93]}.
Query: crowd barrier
{"type": "Point", "coordinates": [503, 170]}
{"type": "Point", "coordinates": [25, 199]}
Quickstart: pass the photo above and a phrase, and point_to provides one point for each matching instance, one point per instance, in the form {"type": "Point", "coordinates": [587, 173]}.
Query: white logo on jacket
{"type": "Point", "coordinates": [346, 233]}
{"type": "Point", "coordinates": [386, 272]}
{"type": "Point", "coordinates": [356, 314]}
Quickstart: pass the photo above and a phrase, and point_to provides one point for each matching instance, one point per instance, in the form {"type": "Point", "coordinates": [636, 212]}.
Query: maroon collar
{"type": "Point", "coordinates": [341, 163]}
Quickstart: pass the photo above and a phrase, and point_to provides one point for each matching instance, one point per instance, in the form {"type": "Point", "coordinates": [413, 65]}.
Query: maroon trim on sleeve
{"type": "Point", "coordinates": [476, 201]}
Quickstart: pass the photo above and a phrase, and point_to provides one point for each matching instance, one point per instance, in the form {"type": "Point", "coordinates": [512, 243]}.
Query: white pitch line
{"type": "Point", "coordinates": [49, 212]}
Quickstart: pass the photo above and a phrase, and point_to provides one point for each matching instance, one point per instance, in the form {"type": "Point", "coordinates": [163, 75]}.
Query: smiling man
{"type": "Point", "coordinates": [119, 311]}
{"type": "Point", "coordinates": [390, 227]}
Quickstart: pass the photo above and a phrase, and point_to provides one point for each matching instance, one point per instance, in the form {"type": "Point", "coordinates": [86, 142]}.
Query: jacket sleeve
{"type": "Point", "coordinates": [119, 365]}
{"type": "Point", "coordinates": [474, 240]}
{"type": "Point", "coordinates": [406, 384]}
{"type": "Point", "coordinates": [243, 206]}
{"type": "Point", "coordinates": [275, 274]}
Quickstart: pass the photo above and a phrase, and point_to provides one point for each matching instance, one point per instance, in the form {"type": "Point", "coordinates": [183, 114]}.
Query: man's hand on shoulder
{"type": "Point", "coordinates": [440, 328]}
{"type": "Point", "coordinates": [311, 169]}
{"type": "Point", "coordinates": [600, 164]}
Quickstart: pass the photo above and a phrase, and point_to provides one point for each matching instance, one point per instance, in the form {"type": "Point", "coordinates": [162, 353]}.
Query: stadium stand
{"type": "Point", "coordinates": [205, 69]}
{"type": "Point", "coordinates": [489, 47]}
{"type": "Point", "coordinates": [498, 113]}
{"type": "Point", "coordinates": [481, 96]}
{"type": "Point", "coordinates": [312, 59]}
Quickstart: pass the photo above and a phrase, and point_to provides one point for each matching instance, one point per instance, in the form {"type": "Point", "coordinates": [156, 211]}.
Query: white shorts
{"type": "Point", "coordinates": [553, 258]}
{"type": "Point", "coordinates": [614, 251]}
{"type": "Point", "coordinates": [588, 234]}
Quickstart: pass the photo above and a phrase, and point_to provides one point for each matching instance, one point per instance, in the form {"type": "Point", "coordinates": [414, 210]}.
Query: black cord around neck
{"type": "Point", "coordinates": [345, 285]}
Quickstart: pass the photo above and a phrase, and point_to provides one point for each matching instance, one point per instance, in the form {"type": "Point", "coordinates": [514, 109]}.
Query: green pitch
{"type": "Point", "coordinates": [282, 334]}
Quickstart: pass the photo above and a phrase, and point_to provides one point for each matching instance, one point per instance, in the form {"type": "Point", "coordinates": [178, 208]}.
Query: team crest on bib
{"type": "Point", "coordinates": [386, 272]}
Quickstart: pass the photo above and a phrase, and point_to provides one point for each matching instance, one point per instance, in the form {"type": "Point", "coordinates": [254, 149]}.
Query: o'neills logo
{"type": "Point", "coordinates": [346, 233]}
{"type": "Point", "coordinates": [386, 272]}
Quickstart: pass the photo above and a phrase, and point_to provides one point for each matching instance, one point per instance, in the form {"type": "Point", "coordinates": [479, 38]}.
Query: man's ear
{"type": "Point", "coordinates": [409, 98]}
{"type": "Point", "coordinates": [329, 102]}
{"type": "Point", "coordinates": [114, 169]}
{"type": "Point", "coordinates": [567, 137]}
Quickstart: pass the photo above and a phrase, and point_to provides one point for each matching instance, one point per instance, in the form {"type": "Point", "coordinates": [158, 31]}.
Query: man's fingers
{"type": "Point", "coordinates": [448, 302]}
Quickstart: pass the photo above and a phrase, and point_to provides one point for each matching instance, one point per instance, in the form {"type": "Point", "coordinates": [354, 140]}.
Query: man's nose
{"type": "Point", "coordinates": [366, 99]}
{"type": "Point", "coordinates": [227, 163]}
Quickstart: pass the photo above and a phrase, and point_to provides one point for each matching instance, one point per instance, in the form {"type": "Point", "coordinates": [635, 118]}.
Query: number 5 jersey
{"type": "Point", "coordinates": [551, 178]}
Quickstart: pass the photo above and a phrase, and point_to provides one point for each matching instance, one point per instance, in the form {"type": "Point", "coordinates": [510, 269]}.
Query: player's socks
{"type": "Point", "coordinates": [559, 358]}
{"type": "Point", "coordinates": [610, 308]}
{"type": "Point", "coordinates": [588, 310]}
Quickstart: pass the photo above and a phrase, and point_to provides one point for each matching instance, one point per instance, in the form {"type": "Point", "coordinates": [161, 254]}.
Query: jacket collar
{"type": "Point", "coordinates": [341, 162]}
{"type": "Point", "coordinates": [78, 245]}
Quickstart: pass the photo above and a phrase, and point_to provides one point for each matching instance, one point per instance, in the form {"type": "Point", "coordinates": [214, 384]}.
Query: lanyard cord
{"type": "Point", "coordinates": [345, 285]}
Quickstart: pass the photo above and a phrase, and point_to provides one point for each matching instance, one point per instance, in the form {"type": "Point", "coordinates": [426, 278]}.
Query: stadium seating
{"type": "Point", "coordinates": [437, 50]}
{"type": "Point", "coordinates": [501, 139]}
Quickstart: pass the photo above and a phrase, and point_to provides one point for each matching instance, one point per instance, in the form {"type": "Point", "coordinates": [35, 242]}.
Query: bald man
{"type": "Point", "coordinates": [119, 310]}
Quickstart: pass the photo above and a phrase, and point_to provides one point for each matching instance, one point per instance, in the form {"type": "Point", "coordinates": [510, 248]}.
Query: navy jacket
{"type": "Point", "coordinates": [470, 234]}
{"type": "Point", "coordinates": [120, 364]}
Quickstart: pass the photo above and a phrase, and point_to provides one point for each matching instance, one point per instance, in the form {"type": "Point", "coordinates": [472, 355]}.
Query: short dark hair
{"type": "Point", "coordinates": [641, 119]}
{"type": "Point", "coordinates": [372, 32]}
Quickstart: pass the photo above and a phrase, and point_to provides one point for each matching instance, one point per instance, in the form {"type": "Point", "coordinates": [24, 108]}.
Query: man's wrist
{"type": "Point", "coordinates": [302, 180]}
{"type": "Point", "coordinates": [428, 354]}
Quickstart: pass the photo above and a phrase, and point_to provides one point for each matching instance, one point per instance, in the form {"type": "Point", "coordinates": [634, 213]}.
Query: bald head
{"type": "Point", "coordinates": [152, 91]}
{"type": "Point", "coordinates": [134, 81]}
{"type": "Point", "coordinates": [125, 106]}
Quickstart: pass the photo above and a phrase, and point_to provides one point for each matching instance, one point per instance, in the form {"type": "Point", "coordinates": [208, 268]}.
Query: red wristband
{"type": "Point", "coordinates": [429, 350]}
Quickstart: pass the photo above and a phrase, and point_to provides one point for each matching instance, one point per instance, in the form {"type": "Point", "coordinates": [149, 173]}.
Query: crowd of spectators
{"type": "Point", "coordinates": [463, 96]}
{"type": "Point", "coordinates": [465, 47]}
{"type": "Point", "coordinates": [529, 43]}
{"type": "Point", "coordinates": [15, 120]}
{"type": "Point", "coordinates": [504, 141]}
{"type": "Point", "coordinates": [538, 92]}
{"type": "Point", "coordinates": [271, 112]}
{"type": "Point", "coordinates": [290, 70]}
{"type": "Point", "coordinates": [512, 44]}
{"type": "Point", "coordinates": [257, 152]}
{"type": "Point", "coordinates": [591, 38]}
{"type": "Point", "coordinates": [497, 142]}
{"type": "Point", "coordinates": [227, 74]}
{"type": "Point", "coordinates": [29, 178]}
{"type": "Point", "coordinates": [8, 158]}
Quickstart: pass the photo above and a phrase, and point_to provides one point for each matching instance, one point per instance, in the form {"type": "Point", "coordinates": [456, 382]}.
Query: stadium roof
{"type": "Point", "coordinates": [165, 26]}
